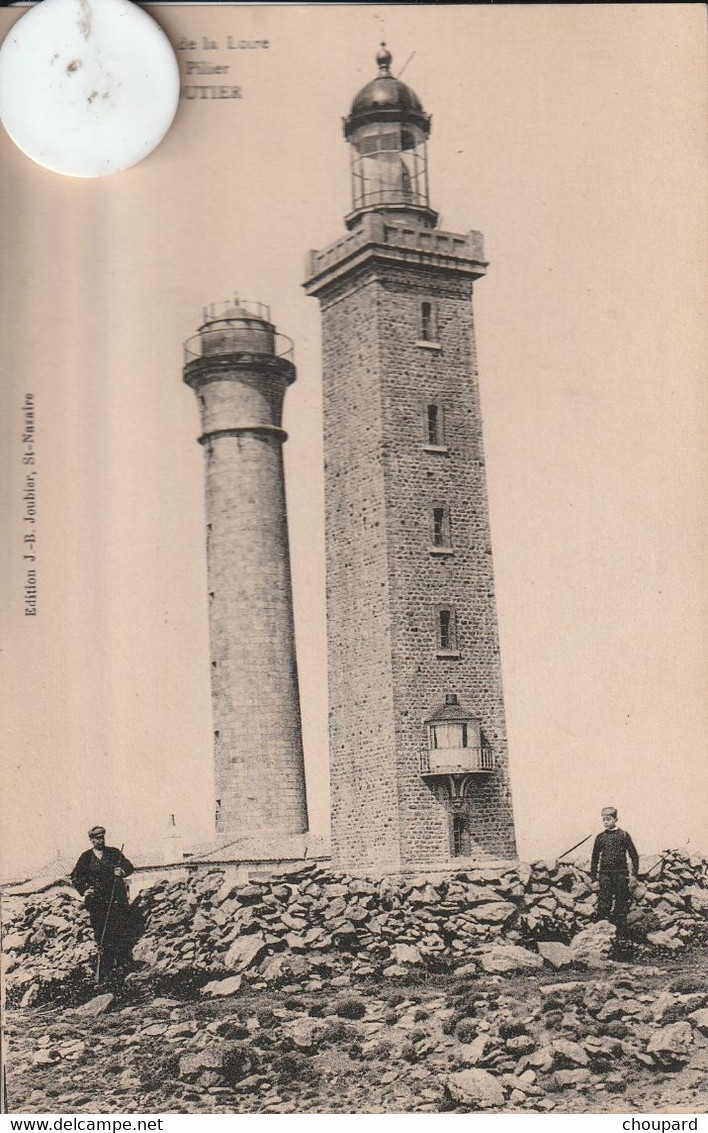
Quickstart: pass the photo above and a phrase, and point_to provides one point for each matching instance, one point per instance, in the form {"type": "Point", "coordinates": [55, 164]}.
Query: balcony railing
{"type": "Point", "coordinates": [234, 339]}
{"type": "Point", "coordinates": [456, 761]}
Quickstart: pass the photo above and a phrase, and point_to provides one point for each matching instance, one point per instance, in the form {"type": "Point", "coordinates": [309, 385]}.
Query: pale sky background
{"type": "Point", "coordinates": [573, 138]}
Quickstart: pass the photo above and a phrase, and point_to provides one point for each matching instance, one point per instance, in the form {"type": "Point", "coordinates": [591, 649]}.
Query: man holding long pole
{"type": "Point", "coordinates": [98, 876]}
{"type": "Point", "coordinates": [613, 855]}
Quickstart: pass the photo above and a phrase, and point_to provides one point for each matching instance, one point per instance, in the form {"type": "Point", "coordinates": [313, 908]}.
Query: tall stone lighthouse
{"type": "Point", "coordinates": [240, 368]}
{"type": "Point", "coordinates": [418, 747]}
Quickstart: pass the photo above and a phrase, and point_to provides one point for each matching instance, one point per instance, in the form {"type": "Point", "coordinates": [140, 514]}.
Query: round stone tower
{"type": "Point", "coordinates": [240, 368]}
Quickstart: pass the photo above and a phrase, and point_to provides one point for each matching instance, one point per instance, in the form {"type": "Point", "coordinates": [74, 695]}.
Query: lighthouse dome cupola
{"type": "Point", "coordinates": [387, 130]}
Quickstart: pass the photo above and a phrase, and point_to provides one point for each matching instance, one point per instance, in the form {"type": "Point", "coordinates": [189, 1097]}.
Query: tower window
{"type": "Point", "coordinates": [434, 423]}
{"type": "Point", "coordinates": [448, 734]}
{"type": "Point", "coordinates": [460, 836]}
{"type": "Point", "coordinates": [434, 426]}
{"type": "Point", "coordinates": [440, 528]}
{"type": "Point", "coordinates": [446, 631]}
{"type": "Point", "coordinates": [445, 628]}
{"type": "Point", "coordinates": [428, 321]}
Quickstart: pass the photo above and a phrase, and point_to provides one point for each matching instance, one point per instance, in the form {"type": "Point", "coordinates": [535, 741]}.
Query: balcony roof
{"type": "Point", "coordinates": [450, 712]}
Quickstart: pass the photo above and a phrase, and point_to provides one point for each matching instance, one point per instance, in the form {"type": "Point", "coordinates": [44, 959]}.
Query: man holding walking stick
{"type": "Point", "coordinates": [98, 877]}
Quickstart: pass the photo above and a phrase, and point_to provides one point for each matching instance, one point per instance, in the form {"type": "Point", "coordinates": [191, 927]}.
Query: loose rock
{"type": "Point", "coordinates": [477, 1088]}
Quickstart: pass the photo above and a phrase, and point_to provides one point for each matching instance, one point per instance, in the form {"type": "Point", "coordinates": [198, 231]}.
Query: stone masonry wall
{"type": "Point", "coordinates": [414, 374]}
{"type": "Point", "coordinates": [384, 585]}
{"type": "Point", "coordinates": [259, 765]}
{"type": "Point", "coordinates": [204, 920]}
{"type": "Point", "coordinates": [364, 790]}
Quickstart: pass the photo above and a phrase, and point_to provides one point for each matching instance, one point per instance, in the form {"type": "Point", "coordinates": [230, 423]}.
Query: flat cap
{"type": "Point", "coordinates": [96, 830]}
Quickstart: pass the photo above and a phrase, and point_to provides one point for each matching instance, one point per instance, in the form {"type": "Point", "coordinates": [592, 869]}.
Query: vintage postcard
{"type": "Point", "coordinates": [354, 574]}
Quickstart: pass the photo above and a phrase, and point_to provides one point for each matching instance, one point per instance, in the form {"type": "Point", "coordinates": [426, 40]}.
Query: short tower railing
{"type": "Point", "coordinates": [457, 761]}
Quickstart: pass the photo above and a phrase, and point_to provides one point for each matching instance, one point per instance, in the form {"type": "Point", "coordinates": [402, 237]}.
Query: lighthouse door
{"type": "Point", "coordinates": [459, 835]}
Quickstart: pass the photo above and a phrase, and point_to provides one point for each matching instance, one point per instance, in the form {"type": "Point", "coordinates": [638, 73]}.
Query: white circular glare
{"type": "Point", "coordinates": [87, 87]}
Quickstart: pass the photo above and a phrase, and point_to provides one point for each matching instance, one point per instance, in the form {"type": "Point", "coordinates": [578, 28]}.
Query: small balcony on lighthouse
{"type": "Point", "coordinates": [455, 743]}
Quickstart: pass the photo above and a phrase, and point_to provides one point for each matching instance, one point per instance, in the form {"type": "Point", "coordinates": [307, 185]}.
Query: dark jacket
{"type": "Point", "coordinates": [99, 873]}
{"type": "Point", "coordinates": [610, 852]}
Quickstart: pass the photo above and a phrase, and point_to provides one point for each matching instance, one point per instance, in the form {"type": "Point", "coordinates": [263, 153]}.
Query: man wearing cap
{"type": "Point", "coordinates": [98, 877]}
{"type": "Point", "coordinates": [613, 854]}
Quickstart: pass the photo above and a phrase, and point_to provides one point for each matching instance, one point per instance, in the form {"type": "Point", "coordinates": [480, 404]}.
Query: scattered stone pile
{"type": "Point", "coordinates": [45, 939]}
{"type": "Point", "coordinates": [310, 923]}
{"type": "Point", "coordinates": [671, 899]}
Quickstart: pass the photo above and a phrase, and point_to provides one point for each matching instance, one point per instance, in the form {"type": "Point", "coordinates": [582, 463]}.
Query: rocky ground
{"type": "Point", "coordinates": [319, 993]}
{"type": "Point", "coordinates": [629, 1039]}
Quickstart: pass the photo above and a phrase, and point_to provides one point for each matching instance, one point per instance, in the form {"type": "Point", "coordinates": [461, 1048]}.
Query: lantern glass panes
{"type": "Point", "coordinates": [388, 165]}
{"type": "Point", "coordinates": [448, 734]}
{"type": "Point", "coordinates": [454, 743]}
